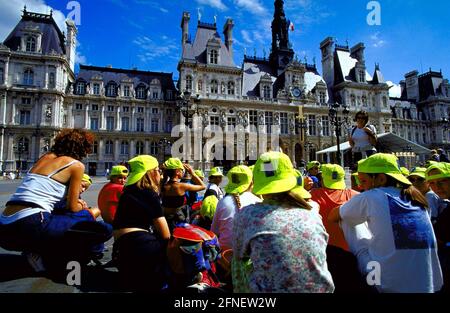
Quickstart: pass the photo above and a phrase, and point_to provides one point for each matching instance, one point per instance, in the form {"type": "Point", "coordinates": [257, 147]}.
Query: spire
{"type": "Point", "coordinates": [281, 53]}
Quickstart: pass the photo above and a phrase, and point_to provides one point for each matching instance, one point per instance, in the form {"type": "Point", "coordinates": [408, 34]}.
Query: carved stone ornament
{"type": "Point", "coordinates": [48, 112]}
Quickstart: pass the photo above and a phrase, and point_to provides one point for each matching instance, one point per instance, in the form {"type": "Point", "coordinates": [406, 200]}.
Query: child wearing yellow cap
{"type": "Point", "coordinates": [388, 227]}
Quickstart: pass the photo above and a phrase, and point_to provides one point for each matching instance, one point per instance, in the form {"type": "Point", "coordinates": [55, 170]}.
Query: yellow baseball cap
{"type": "Point", "coordinates": [209, 205]}
{"type": "Point", "coordinates": [418, 171]}
{"type": "Point", "coordinates": [215, 171]}
{"type": "Point", "coordinates": [430, 163]}
{"type": "Point", "coordinates": [199, 173]}
{"type": "Point", "coordinates": [173, 164]}
{"type": "Point", "coordinates": [239, 179]}
{"type": "Point", "coordinates": [404, 171]}
{"type": "Point", "coordinates": [333, 176]}
{"type": "Point", "coordinates": [300, 189]}
{"type": "Point", "coordinates": [356, 178]}
{"type": "Point", "coordinates": [311, 164]}
{"type": "Point", "coordinates": [139, 166]}
{"type": "Point", "coordinates": [442, 167]}
{"type": "Point", "coordinates": [273, 173]}
{"type": "Point", "coordinates": [382, 163]}
{"type": "Point", "coordinates": [119, 170]}
{"type": "Point", "coordinates": [87, 179]}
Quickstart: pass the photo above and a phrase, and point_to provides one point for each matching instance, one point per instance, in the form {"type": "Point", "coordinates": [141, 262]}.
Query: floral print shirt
{"type": "Point", "coordinates": [279, 249]}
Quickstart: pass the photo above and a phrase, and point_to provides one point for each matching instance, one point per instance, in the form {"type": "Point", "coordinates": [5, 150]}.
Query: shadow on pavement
{"type": "Point", "coordinates": [14, 266]}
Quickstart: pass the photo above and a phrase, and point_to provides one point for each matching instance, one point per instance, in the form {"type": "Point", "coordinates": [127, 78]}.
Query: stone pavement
{"type": "Point", "coordinates": [16, 276]}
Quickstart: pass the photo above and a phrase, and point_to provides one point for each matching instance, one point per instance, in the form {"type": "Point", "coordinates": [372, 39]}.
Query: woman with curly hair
{"type": "Point", "coordinates": [27, 223]}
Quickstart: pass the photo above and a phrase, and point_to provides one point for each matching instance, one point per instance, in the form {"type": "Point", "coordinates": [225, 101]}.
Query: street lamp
{"type": "Point", "coordinates": [333, 113]}
{"type": "Point", "coordinates": [163, 143]}
{"type": "Point", "coordinates": [187, 109]}
{"type": "Point", "coordinates": [20, 148]}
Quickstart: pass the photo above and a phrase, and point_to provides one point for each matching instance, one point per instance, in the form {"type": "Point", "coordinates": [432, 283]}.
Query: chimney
{"type": "Point", "coordinates": [185, 28]}
{"type": "Point", "coordinates": [71, 43]}
{"type": "Point", "coordinates": [412, 85]}
{"type": "Point", "coordinates": [357, 52]}
{"type": "Point", "coordinates": [228, 32]}
{"type": "Point", "coordinates": [402, 88]}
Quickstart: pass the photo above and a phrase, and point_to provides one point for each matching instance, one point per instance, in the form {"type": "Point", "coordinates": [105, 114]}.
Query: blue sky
{"type": "Point", "coordinates": [414, 34]}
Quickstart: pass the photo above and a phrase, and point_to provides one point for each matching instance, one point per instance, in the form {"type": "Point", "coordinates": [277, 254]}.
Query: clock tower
{"type": "Point", "coordinates": [282, 53]}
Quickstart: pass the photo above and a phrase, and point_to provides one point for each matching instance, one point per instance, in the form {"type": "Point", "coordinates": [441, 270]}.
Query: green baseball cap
{"type": "Point", "coordinates": [300, 189]}
{"type": "Point", "coordinates": [404, 171]}
{"type": "Point", "coordinates": [273, 173]}
{"type": "Point", "coordinates": [215, 171]}
{"type": "Point", "coordinates": [418, 171]}
{"type": "Point", "coordinates": [333, 176]}
{"type": "Point", "coordinates": [442, 167]}
{"type": "Point", "coordinates": [87, 179]}
{"type": "Point", "coordinates": [383, 163]}
{"type": "Point", "coordinates": [139, 166]}
{"type": "Point", "coordinates": [239, 179]}
{"type": "Point", "coordinates": [209, 206]}
{"type": "Point", "coordinates": [311, 164]}
{"type": "Point", "coordinates": [173, 164]}
{"type": "Point", "coordinates": [199, 173]}
{"type": "Point", "coordinates": [119, 170]}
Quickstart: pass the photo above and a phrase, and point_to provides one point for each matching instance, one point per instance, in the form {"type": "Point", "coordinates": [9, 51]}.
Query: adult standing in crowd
{"type": "Point", "coordinates": [109, 195]}
{"type": "Point", "coordinates": [442, 155]}
{"type": "Point", "coordinates": [140, 229]}
{"type": "Point", "coordinates": [27, 223]}
{"type": "Point", "coordinates": [399, 238]}
{"type": "Point", "coordinates": [267, 253]}
{"type": "Point", "coordinates": [362, 137]}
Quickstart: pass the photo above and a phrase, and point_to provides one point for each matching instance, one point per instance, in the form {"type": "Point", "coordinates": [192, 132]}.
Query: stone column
{"type": "Point", "coordinates": [100, 149]}
{"type": "Point", "coordinates": [102, 117]}
{"type": "Point", "coordinates": [116, 150]}
{"type": "Point", "coordinates": [118, 121]}
{"type": "Point", "coordinates": [86, 117]}
{"type": "Point", "coordinates": [132, 150]}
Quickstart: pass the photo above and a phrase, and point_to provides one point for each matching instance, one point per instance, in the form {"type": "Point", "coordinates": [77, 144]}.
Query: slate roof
{"type": "Point", "coordinates": [430, 85]}
{"type": "Point", "coordinates": [52, 38]}
{"type": "Point", "coordinates": [378, 77]}
{"type": "Point", "coordinates": [344, 66]}
{"type": "Point", "coordinates": [117, 75]}
{"type": "Point", "coordinates": [196, 51]}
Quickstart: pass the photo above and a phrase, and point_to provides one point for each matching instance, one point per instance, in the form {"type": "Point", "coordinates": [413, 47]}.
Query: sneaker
{"type": "Point", "coordinates": [36, 262]}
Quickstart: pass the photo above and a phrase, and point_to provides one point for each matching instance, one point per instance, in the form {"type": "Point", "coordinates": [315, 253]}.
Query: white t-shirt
{"type": "Point", "coordinates": [217, 189]}
{"type": "Point", "coordinates": [436, 204]}
{"type": "Point", "coordinates": [403, 241]}
{"type": "Point", "coordinates": [361, 139]}
{"type": "Point", "coordinates": [222, 224]}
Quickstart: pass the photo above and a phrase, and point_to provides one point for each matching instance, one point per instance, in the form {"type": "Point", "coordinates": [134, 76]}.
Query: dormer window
{"type": "Point", "coordinates": [111, 89]}
{"type": "Point", "coordinates": [362, 76]}
{"type": "Point", "coordinates": [266, 92]}
{"type": "Point", "coordinates": [214, 87]}
{"type": "Point", "coordinates": [140, 92]}
{"type": "Point", "coordinates": [81, 88]}
{"type": "Point", "coordinates": [126, 91]}
{"type": "Point", "coordinates": [28, 77]}
{"type": "Point", "coordinates": [231, 88]}
{"type": "Point", "coordinates": [96, 89]}
{"type": "Point", "coordinates": [51, 80]}
{"type": "Point", "coordinates": [322, 97]}
{"type": "Point", "coordinates": [30, 45]}
{"type": "Point", "coordinates": [2, 79]}
{"type": "Point", "coordinates": [188, 83]}
{"type": "Point", "coordinates": [214, 57]}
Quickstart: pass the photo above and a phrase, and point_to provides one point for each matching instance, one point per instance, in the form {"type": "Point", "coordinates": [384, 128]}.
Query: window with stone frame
{"type": "Point", "coordinates": [353, 100]}
{"type": "Point", "coordinates": [139, 148]}
{"type": "Point", "coordinates": [214, 121]}
{"type": "Point", "coordinates": [214, 87]}
{"type": "Point", "coordinates": [111, 89]}
{"type": "Point", "coordinates": [124, 147]}
{"type": "Point", "coordinates": [266, 92]}
{"type": "Point", "coordinates": [2, 74]}
{"type": "Point", "coordinates": [230, 88]}
{"type": "Point", "coordinates": [154, 148]}
{"type": "Point", "coordinates": [94, 107]}
{"type": "Point", "coordinates": [155, 95]}
{"type": "Point", "coordinates": [126, 109]}
{"type": "Point", "coordinates": [385, 102]}
{"type": "Point", "coordinates": [110, 108]}
{"type": "Point", "coordinates": [362, 76]}
{"type": "Point", "coordinates": [25, 117]}
{"type": "Point", "coordinates": [140, 92]}
{"type": "Point", "coordinates": [80, 88]}
{"type": "Point", "coordinates": [231, 123]}
{"type": "Point", "coordinates": [214, 57]}
{"type": "Point", "coordinates": [30, 44]}
{"type": "Point", "coordinates": [94, 123]}
{"type": "Point", "coordinates": [28, 77]}
{"type": "Point", "coordinates": [140, 124]}
{"type": "Point", "coordinates": [126, 91]}
{"type": "Point", "coordinates": [96, 89]}
{"type": "Point", "coordinates": [364, 100]}
{"type": "Point", "coordinates": [312, 127]}
{"type": "Point", "coordinates": [26, 100]}
{"type": "Point", "coordinates": [140, 109]}
{"type": "Point", "coordinates": [188, 83]}
{"type": "Point", "coordinates": [169, 126]}
{"type": "Point", "coordinates": [109, 147]}
{"type": "Point", "coordinates": [110, 123]}
{"type": "Point", "coordinates": [95, 147]}
{"type": "Point", "coordinates": [284, 125]}
{"type": "Point", "coordinates": [322, 98]}
{"type": "Point", "coordinates": [125, 124]}
{"type": "Point", "coordinates": [155, 110]}
{"type": "Point", "coordinates": [154, 126]}
{"type": "Point", "coordinates": [268, 118]}
{"type": "Point", "coordinates": [51, 80]}
{"type": "Point", "coordinates": [78, 106]}
{"type": "Point", "coordinates": [253, 118]}
{"type": "Point", "coordinates": [325, 125]}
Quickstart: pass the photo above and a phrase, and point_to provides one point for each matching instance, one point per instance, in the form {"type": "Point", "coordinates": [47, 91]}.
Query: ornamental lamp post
{"type": "Point", "coordinates": [333, 113]}
{"type": "Point", "coordinates": [187, 109]}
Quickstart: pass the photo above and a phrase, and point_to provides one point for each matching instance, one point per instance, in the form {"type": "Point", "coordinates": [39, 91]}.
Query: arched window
{"type": "Point", "coordinates": [31, 44]}
{"type": "Point", "coordinates": [28, 77]}
{"type": "Point", "coordinates": [266, 92]}
{"type": "Point", "coordinates": [231, 88]}
{"type": "Point", "coordinates": [213, 57]}
{"type": "Point", "coordinates": [154, 148]}
{"type": "Point", "coordinates": [140, 92]}
{"type": "Point", "coordinates": [109, 147]}
{"type": "Point", "coordinates": [124, 147]}
{"type": "Point", "coordinates": [188, 83]}
{"type": "Point", "coordinates": [111, 89]}
{"type": "Point", "coordinates": [139, 148]}
{"type": "Point", "coordinates": [214, 86]}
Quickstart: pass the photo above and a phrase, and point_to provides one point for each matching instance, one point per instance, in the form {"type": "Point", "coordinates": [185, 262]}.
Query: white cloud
{"type": "Point", "coordinates": [11, 12]}
{"type": "Point", "coordinates": [164, 10]}
{"type": "Point", "coordinates": [151, 50]}
{"type": "Point", "coordinates": [246, 36]}
{"type": "Point", "coordinates": [377, 42]}
{"type": "Point", "coordinates": [218, 4]}
{"type": "Point", "coordinates": [252, 6]}
{"type": "Point", "coordinates": [80, 58]}
{"type": "Point", "coordinates": [395, 91]}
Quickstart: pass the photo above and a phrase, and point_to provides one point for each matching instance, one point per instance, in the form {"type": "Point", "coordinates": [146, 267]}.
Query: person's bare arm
{"type": "Point", "coordinates": [334, 216]}
{"type": "Point", "coordinates": [195, 179]}
{"type": "Point", "coordinates": [162, 228]}
{"type": "Point", "coordinates": [76, 174]}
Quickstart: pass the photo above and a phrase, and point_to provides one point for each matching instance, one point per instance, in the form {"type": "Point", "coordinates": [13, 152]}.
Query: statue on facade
{"type": "Point", "coordinates": [48, 112]}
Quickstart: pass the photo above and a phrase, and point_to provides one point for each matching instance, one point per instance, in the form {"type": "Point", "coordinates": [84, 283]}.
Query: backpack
{"type": "Point", "coordinates": [192, 253]}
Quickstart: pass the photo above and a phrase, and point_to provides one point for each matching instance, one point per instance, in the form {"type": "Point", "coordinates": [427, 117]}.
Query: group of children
{"type": "Point", "coordinates": [271, 229]}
